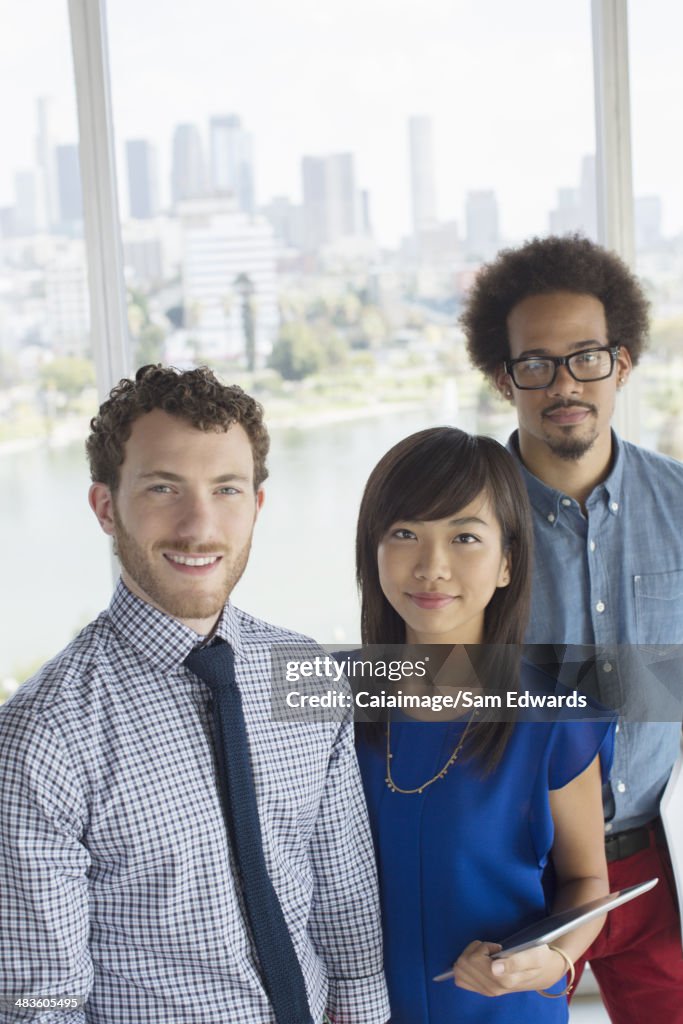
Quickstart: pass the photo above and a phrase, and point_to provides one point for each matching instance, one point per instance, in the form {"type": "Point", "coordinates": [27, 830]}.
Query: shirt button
{"type": "Point", "coordinates": [600, 606]}
{"type": "Point", "coordinates": [621, 786]}
{"type": "Point", "coordinates": [551, 517]}
{"type": "Point", "coordinates": [608, 828]}
{"type": "Point", "coordinates": [614, 506]}
{"type": "Point", "coordinates": [592, 545]}
{"type": "Point", "coordinates": [566, 501]}
{"type": "Point", "coordinates": [607, 666]}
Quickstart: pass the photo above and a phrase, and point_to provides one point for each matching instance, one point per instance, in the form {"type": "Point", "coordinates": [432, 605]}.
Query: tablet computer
{"type": "Point", "coordinates": [550, 928]}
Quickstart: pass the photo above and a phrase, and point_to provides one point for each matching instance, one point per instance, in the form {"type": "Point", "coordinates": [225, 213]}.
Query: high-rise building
{"type": "Point", "coordinates": [188, 173]}
{"type": "Point", "coordinates": [588, 201]}
{"type": "Point", "coordinates": [422, 177]}
{"type": "Point", "coordinates": [69, 186]}
{"type": "Point", "coordinates": [151, 250]}
{"type": "Point", "coordinates": [232, 160]}
{"type": "Point", "coordinates": [8, 216]}
{"type": "Point", "coordinates": [576, 209]}
{"type": "Point", "coordinates": [49, 207]}
{"type": "Point", "coordinates": [481, 218]}
{"type": "Point", "coordinates": [30, 209]}
{"type": "Point", "coordinates": [66, 299]}
{"type": "Point", "coordinates": [365, 215]}
{"type": "Point", "coordinates": [223, 247]}
{"type": "Point", "coordinates": [287, 220]}
{"type": "Point", "coordinates": [331, 202]}
{"type": "Point", "coordinates": [566, 217]}
{"type": "Point", "coordinates": [143, 179]}
{"type": "Point", "coordinates": [648, 221]}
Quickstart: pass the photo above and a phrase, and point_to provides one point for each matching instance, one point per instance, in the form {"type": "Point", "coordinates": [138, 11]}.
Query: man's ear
{"type": "Point", "coordinates": [503, 383]}
{"type": "Point", "coordinates": [624, 366]}
{"type": "Point", "coordinates": [101, 502]}
{"type": "Point", "coordinates": [260, 498]}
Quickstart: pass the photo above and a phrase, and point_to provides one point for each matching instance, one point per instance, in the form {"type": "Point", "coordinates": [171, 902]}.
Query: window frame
{"type": "Point", "coordinates": [109, 322]}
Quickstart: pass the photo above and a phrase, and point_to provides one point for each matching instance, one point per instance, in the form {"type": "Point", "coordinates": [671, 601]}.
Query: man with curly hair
{"type": "Point", "coordinates": [557, 326]}
{"type": "Point", "coordinates": [171, 853]}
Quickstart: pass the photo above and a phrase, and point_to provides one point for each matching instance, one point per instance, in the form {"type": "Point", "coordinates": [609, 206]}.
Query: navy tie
{"type": "Point", "coordinates": [280, 968]}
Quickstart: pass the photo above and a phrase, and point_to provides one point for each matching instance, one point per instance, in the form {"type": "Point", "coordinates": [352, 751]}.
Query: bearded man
{"type": "Point", "coordinates": [558, 326]}
{"type": "Point", "coordinates": [170, 853]}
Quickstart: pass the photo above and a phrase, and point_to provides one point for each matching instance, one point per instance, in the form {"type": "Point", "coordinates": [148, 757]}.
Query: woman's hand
{"type": "Point", "coordinates": [533, 969]}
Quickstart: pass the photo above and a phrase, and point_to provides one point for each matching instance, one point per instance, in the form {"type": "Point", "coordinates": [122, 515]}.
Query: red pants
{"type": "Point", "coordinates": [637, 958]}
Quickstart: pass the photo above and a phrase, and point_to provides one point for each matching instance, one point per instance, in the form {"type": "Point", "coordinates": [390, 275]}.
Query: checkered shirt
{"type": "Point", "coordinates": [115, 871]}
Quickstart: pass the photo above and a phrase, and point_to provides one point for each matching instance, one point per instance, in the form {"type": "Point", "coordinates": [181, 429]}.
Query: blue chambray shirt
{"type": "Point", "coordinates": [615, 577]}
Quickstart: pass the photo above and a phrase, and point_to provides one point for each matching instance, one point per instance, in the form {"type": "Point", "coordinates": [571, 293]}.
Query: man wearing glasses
{"type": "Point", "coordinates": [558, 326]}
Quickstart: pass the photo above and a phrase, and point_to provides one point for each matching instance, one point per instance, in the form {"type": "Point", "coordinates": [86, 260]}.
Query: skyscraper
{"type": "Point", "coordinates": [232, 160]}
{"type": "Point", "coordinates": [67, 301]}
{"type": "Point", "coordinates": [221, 245]}
{"type": "Point", "coordinates": [45, 161]}
{"type": "Point", "coordinates": [143, 188]}
{"type": "Point", "coordinates": [422, 178]}
{"type": "Point", "coordinates": [648, 221]}
{"type": "Point", "coordinates": [331, 202]}
{"type": "Point", "coordinates": [565, 218]}
{"type": "Point", "coordinates": [30, 216]}
{"type": "Point", "coordinates": [188, 174]}
{"type": "Point", "coordinates": [576, 208]}
{"type": "Point", "coordinates": [588, 198]}
{"type": "Point", "coordinates": [69, 186]}
{"type": "Point", "coordinates": [481, 216]}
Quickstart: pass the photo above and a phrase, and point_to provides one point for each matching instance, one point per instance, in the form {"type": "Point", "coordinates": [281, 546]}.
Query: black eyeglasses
{"type": "Point", "coordinates": [531, 372]}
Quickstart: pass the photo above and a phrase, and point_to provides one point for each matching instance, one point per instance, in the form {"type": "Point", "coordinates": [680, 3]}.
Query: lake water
{"type": "Point", "coordinates": [57, 571]}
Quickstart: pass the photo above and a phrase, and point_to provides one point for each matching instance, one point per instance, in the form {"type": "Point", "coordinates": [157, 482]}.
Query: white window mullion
{"type": "Point", "coordinates": [614, 166]}
{"type": "Point", "coordinates": [108, 314]}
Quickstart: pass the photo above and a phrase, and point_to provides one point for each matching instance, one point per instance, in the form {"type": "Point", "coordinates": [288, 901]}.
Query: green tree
{"type": "Point", "coordinates": [149, 345]}
{"type": "Point", "coordinates": [297, 353]}
{"type": "Point", "coordinates": [69, 375]}
{"type": "Point", "coordinates": [336, 349]}
{"type": "Point", "coordinates": [245, 289]}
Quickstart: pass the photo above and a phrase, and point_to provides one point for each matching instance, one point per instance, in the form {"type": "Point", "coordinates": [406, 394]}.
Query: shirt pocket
{"type": "Point", "coordinates": [659, 607]}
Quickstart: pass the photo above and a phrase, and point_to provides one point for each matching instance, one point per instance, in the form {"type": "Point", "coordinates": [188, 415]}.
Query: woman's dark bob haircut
{"type": "Point", "coordinates": [432, 475]}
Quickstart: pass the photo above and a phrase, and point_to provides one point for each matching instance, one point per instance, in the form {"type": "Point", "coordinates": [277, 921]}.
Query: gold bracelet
{"type": "Point", "coordinates": [570, 971]}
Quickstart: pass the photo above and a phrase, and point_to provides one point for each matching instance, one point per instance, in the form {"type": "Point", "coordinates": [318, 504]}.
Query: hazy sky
{"type": "Point", "coordinates": [509, 86]}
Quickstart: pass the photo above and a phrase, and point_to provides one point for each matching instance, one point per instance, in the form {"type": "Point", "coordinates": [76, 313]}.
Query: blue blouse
{"type": "Point", "coordinates": [466, 859]}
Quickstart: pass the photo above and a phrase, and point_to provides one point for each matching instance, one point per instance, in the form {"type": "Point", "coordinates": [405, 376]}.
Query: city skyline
{"type": "Point", "coordinates": [510, 95]}
{"type": "Point", "coordinates": [333, 205]}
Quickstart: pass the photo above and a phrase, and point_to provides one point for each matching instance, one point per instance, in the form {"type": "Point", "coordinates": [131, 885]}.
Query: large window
{"type": "Point", "coordinates": [305, 195]}
{"type": "Point", "coordinates": [55, 572]}
{"type": "Point", "coordinates": [656, 86]}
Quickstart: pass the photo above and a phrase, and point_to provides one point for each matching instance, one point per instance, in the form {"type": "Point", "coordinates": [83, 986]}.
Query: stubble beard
{"type": "Point", "coordinates": [572, 448]}
{"type": "Point", "coordinates": [177, 601]}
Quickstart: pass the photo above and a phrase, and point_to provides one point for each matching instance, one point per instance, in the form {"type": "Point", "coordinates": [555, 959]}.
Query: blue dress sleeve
{"type": "Point", "coordinates": [574, 746]}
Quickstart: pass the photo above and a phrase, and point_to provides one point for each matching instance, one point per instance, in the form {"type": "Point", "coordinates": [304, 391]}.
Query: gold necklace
{"type": "Point", "coordinates": [439, 775]}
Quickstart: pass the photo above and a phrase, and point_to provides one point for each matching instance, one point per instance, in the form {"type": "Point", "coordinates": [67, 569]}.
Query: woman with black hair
{"type": "Point", "coordinates": [482, 824]}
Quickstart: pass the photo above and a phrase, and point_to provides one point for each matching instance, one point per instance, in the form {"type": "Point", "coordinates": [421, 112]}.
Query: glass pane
{"type": "Point", "coordinates": [306, 193]}
{"type": "Point", "coordinates": [55, 568]}
{"type": "Point", "coordinates": [656, 86]}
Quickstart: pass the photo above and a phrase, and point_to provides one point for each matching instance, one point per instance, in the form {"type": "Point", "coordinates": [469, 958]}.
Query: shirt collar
{"type": "Point", "coordinates": [160, 638]}
{"type": "Point", "coordinates": [548, 502]}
